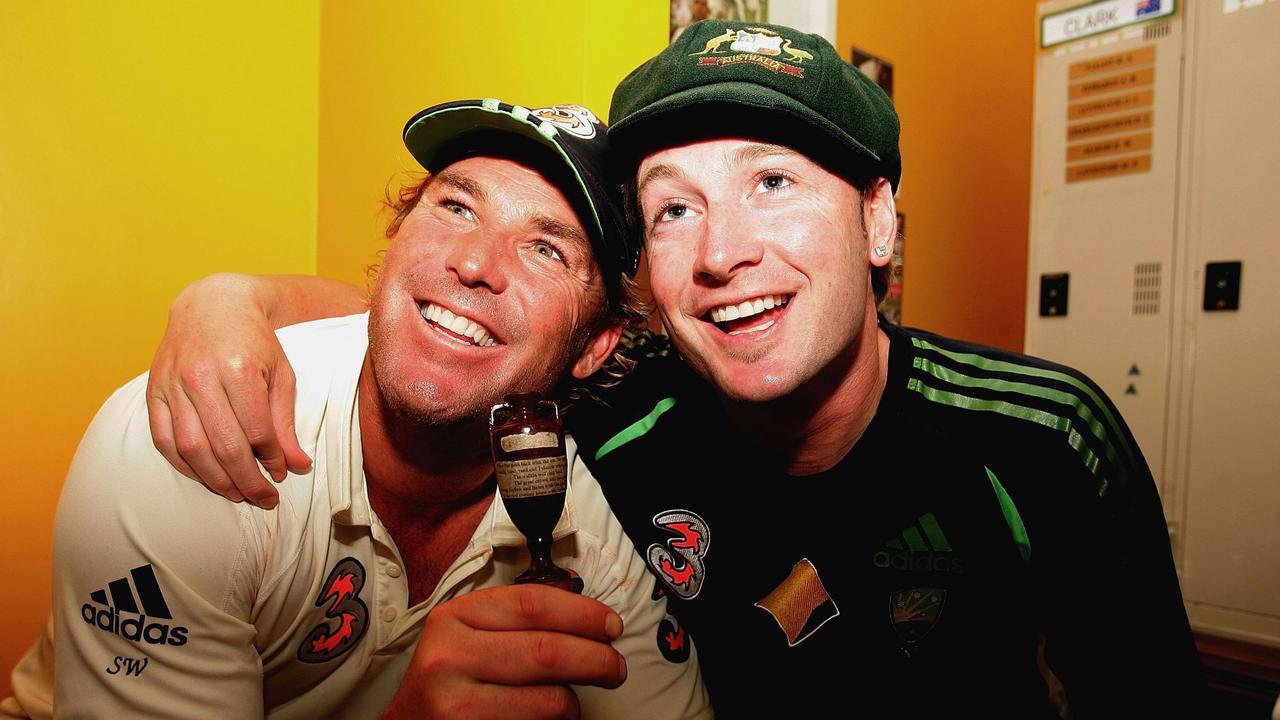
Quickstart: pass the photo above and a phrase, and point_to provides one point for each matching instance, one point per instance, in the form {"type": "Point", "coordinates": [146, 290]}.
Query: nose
{"type": "Point", "coordinates": [477, 259]}
{"type": "Point", "coordinates": [727, 246]}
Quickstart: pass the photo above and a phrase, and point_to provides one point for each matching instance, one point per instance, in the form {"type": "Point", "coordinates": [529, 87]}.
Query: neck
{"type": "Point", "coordinates": [813, 427]}
{"type": "Point", "coordinates": [416, 473]}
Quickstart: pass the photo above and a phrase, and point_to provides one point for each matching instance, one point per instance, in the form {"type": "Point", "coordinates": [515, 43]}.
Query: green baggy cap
{"type": "Point", "coordinates": [727, 75]}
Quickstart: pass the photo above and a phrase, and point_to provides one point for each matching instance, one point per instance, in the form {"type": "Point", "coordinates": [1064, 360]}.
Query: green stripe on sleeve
{"type": "Point", "coordinates": [1021, 412]}
{"type": "Point", "coordinates": [985, 363]}
{"type": "Point", "coordinates": [1058, 396]}
{"type": "Point", "coordinates": [1012, 518]}
{"type": "Point", "coordinates": [637, 428]}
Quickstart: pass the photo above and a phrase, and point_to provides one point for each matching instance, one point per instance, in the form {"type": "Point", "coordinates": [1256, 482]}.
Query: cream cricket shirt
{"type": "Point", "coordinates": [172, 602]}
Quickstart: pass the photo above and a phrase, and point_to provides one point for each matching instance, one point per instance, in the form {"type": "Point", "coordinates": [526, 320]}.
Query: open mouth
{"type": "Point", "coordinates": [754, 315]}
{"type": "Point", "coordinates": [459, 328]}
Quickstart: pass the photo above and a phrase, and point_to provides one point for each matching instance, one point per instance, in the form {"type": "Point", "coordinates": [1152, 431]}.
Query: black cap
{"type": "Point", "coordinates": [574, 137]}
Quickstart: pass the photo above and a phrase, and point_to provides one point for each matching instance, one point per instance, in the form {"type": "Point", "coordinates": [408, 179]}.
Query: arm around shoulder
{"type": "Point", "coordinates": [221, 390]}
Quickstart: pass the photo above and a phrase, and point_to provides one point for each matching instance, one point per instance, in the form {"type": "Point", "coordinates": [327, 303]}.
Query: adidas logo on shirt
{"type": "Point", "coordinates": [922, 547]}
{"type": "Point", "coordinates": [114, 616]}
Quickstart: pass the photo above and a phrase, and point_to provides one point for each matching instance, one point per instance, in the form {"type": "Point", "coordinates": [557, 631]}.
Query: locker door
{"type": "Point", "coordinates": [1230, 432]}
{"type": "Point", "coordinates": [1103, 211]}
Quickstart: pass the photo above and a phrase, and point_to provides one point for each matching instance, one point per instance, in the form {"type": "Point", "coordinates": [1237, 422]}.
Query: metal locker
{"type": "Point", "coordinates": [1157, 165]}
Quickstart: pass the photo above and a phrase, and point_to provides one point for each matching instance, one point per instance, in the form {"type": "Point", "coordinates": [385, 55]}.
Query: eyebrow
{"type": "Point", "coordinates": [755, 151]}
{"type": "Point", "coordinates": [752, 151]}
{"type": "Point", "coordinates": [555, 228]}
{"type": "Point", "coordinates": [461, 182]}
{"type": "Point", "coordinates": [658, 172]}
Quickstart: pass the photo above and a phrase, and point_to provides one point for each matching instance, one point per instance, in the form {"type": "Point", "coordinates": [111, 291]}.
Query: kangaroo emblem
{"type": "Point", "coordinates": [796, 54]}
{"type": "Point", "coordinates": [713, 45]}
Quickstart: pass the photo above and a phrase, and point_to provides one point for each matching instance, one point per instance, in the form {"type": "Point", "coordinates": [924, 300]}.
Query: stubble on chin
{"type": "Point", "coordinates": [749, 356]}
{"type": "Point", "coordinates": [408, 400]}
{"type": "Point", "coordinates": [411, 401]}
{"type": "Point", "coordinates": [423, 402]}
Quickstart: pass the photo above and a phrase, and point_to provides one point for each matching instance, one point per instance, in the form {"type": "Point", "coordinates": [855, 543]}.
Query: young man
{"type": "Point", "coordinates": [843, 512]}
{"type": "Point", "coordinates": [859, 511]}
{"type": "Point", "coordinates": [383, 581]}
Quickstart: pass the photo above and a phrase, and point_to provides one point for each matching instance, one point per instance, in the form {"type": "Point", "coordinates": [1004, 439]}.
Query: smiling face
{"type": "Point", "coordinates": [758, 261]}
{"type": "Point", "coordinates": [488, 288]}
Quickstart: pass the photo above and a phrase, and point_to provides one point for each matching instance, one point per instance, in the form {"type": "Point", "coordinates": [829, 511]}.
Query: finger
{"type": "Point", "coordinates": [537, 607]}
{"type": "Point", "coordinates": [280, 394]}
{"type": "Point", "coordinates": [247, 399]}
{"type": "Point", "coordinates": [193, 447]}
{"type": "Point", "coordinates": [230, 449]}
{"type": "Point", "coordinates": [161, 422]}
{"type": "Point", "coordinates": [484, 700]}
{"type": "Point", "coordinates": [534, 657]}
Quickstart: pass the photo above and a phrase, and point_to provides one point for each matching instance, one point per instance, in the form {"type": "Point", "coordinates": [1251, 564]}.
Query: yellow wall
{"type": "Point", "coordinates": [963, 75]}
{"type": "Point", "coordinates": [142, 145]}
{"type": "Point", "coordinates": [382, 62]}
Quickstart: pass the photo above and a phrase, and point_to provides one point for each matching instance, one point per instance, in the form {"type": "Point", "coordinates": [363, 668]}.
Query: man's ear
{"type": "Point", "coordinates": [880, 218]}
{"type": "Point", "coordinates": [598, 349]}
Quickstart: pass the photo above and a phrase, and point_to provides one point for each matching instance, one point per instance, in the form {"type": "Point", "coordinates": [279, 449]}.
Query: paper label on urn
{"type": "Point", "coordinates": [531, 478]}
{"type": "Point", "coordinates": [514, 443]}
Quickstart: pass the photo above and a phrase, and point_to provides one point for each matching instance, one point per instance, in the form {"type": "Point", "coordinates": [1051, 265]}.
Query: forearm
{"type": "Point", "coordinates": [282, 299]}
{"type": "Point", "coordinates": [291, 299]}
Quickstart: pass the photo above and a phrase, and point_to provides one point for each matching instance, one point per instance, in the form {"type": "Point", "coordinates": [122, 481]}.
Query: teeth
{"type": "Point", "coordinates": [748, 308]}
{"type": "Point", "coordinates": [755, 328]}
{"type": "Point", "coordinates": [459, 324]}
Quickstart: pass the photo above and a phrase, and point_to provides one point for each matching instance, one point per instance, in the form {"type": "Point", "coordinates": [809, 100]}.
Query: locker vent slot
{"type": "Point", "coordinates": [1146, 288]}
{"type": "Point", "coordinates": [1155, 32]}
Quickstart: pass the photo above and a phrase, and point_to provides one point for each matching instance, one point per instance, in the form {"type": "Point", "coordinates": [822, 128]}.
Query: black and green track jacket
{"type": "Point", "coordinates": [997, 509]}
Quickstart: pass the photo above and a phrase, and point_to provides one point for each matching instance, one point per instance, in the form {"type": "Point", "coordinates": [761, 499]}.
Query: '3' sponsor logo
{"type": "Point", "coordinates": [341, 590]}
{"type": "Point", "coordinates": [680, 562]}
